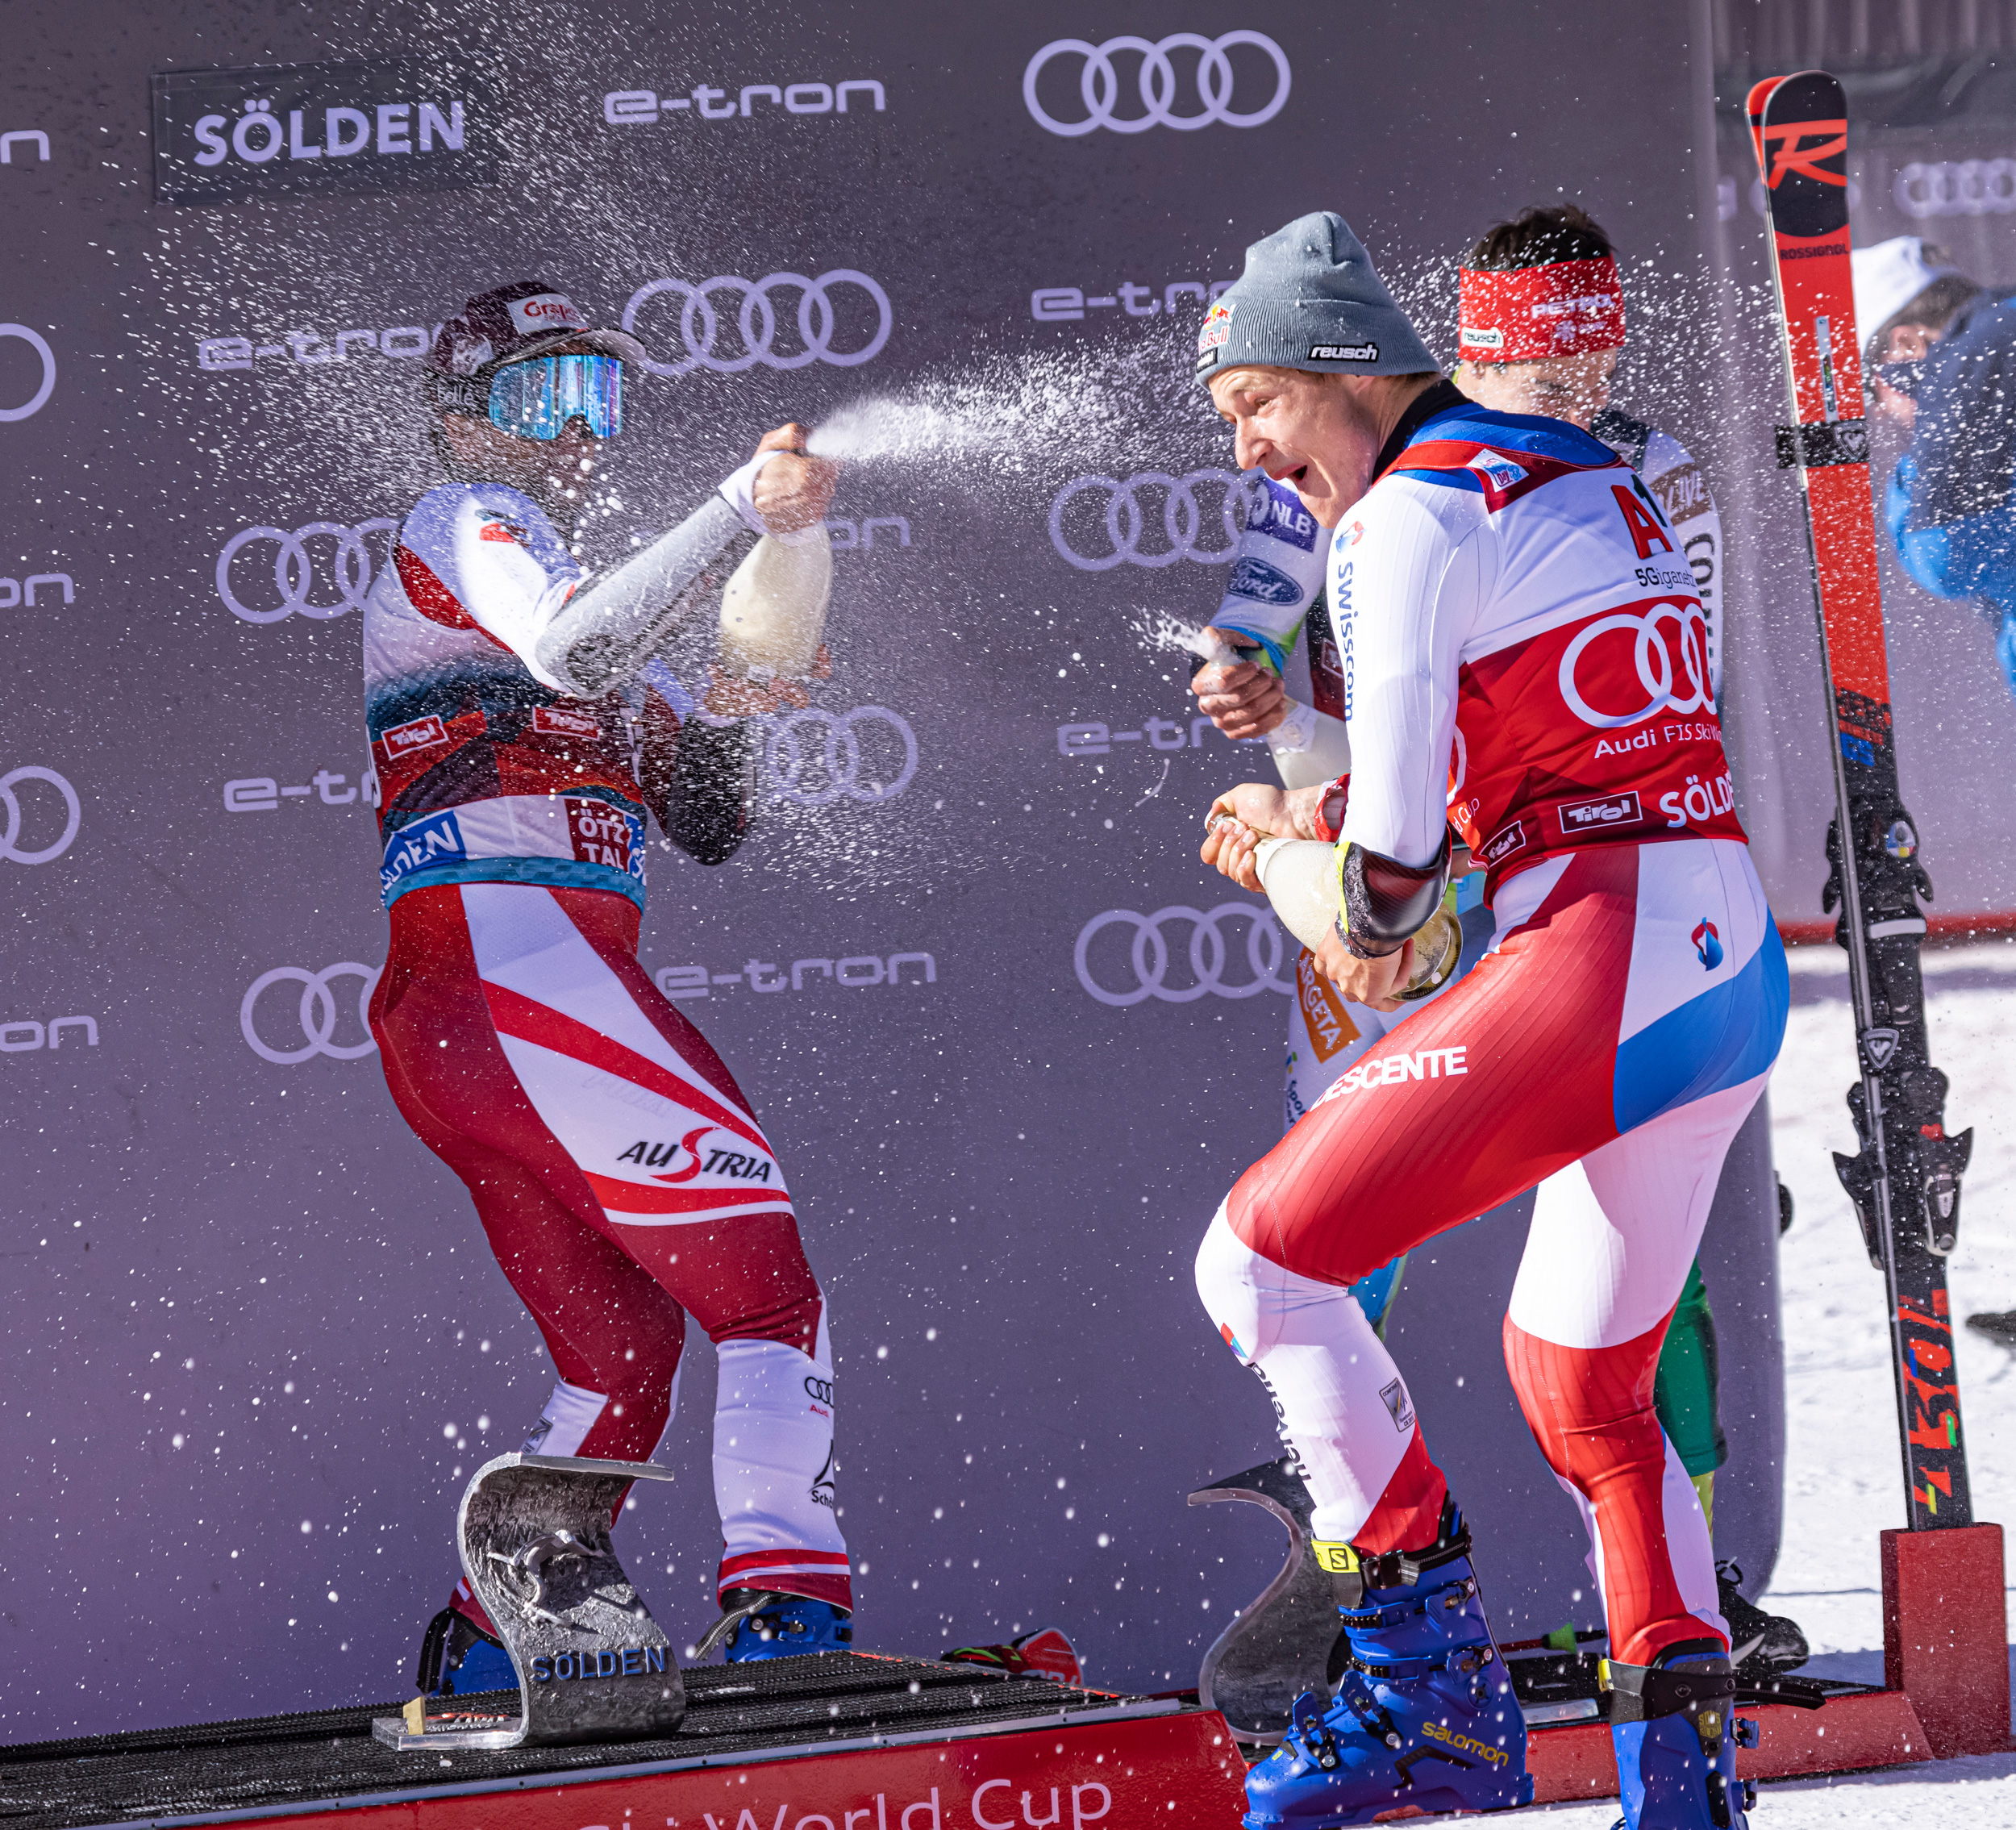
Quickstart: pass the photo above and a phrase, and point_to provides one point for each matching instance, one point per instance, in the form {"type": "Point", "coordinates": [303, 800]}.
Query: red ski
{"type": "Point", "coordinates": [1904, 1181]}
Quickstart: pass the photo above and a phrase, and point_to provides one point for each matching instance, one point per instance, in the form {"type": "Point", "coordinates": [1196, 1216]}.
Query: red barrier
{"type": "Point", "coordinates": [1945, 1665]}
{"type": "Point", "coordinates": [1160, 1772]}
{"type": "Point", "coordinates": [1946, 1634]}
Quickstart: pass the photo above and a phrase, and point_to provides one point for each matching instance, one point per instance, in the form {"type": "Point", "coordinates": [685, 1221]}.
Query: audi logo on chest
{"type": "Point", "coordinates": [1184, 82]}
{"type": "Point", "coordinates": [294, 129]}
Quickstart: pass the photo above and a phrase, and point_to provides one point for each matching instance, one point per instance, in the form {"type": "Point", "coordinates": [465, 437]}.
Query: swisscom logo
{"type": "Point", "coordinates": [309, 129]}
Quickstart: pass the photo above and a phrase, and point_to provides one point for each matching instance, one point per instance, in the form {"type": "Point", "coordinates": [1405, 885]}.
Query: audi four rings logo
{"type": "Point", "coordinates": [11, 849]}
{"type": "Point", "coordinates": [317, 1013]}
{"type": "Point", "coordinates": [812, 758]}
{"type": "Point", "coordinates": [1077, 535]}
{"type": "Point", "coordinates": [1099, 83]}
{"type": "Point", "coordinates": [818, 314]}
{"type": "Point", "coordinates": [351, 568]}
{"type": "Point", "coordinates": [1654, 661]}
{"type": "Point", "coordinates": [1119, 978]}
{"type": "Point", "coordinates": [40, 399]}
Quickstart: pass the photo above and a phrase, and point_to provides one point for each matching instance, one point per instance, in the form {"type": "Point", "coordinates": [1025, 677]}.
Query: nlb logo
{"type": "Point", "coordinates": [317, 1012]}
{"type": "Point", "coordinates": [819, 316]}
{"type": "Point", "coordinates": [11, 849]}
{"type": "Point", "coordinates": [813, 758]}
{"type": "Point", "coordinates": [1076, 531]}
{"type": "Point", "coordinates": [1147, 959]}
{"type": "Point", "coordinates": [40, 399]}
{"type": "Point", "coordinates": [352, 566]}
{"type": "Point", "coordinates": [1156, 83]}
{"type": "Point", "coordinates": [645, 107]}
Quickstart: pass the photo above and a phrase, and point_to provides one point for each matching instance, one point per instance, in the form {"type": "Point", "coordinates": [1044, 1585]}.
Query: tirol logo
{"type": "Point", "coordinates": [296, 129]}
{"type": "Point", "coordinates": [1600, 813]}
{"type": "Point", "coordinates": [1707, 941]}
{"type": "Point", "coordinates": [1504, 843]}
{"type": "Point", "coordinates": [558, 721]}
{"type": "Point", "coordinates": [422, 734]}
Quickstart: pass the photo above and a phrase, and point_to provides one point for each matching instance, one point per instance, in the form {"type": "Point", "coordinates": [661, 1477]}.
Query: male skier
{"type": "Point", "coordinates": [1504, 589]}
{"type": "Point", "coordinates": [521, 724]}
{"type": "Point", "coordinates": [1541, 323]}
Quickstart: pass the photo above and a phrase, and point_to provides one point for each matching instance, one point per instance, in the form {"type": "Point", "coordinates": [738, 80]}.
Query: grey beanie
{"type": "Point", "coordinates": [1309, 299]}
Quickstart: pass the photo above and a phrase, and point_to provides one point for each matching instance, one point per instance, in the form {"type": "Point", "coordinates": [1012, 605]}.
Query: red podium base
{"type": "Point", "coordinates": [1945, 1670]}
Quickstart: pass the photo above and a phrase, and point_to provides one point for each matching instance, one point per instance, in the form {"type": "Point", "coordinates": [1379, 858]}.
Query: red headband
{"type": "Point", "coordinates": [1532, 313]}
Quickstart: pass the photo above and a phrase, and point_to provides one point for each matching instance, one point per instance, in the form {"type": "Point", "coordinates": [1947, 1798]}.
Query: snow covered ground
{"type": "Point", "coordinates": [1843, 1481]}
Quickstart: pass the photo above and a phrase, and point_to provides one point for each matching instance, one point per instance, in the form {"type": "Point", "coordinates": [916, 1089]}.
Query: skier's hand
{"type": "Point", "coordinates": [1229, 846]}
{"type": "Point", "coordinates": [1242, 699]}
{"type": "Point", "coordinates": [792, 491]}
{"type": "Point", "coordinates": [1364, 982]}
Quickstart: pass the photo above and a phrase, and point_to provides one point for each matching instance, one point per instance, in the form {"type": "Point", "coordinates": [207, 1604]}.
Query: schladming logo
{"type": "Point", "coordinates": [317, 1014]}
{"type": "Point", "coordinates": [1158, 81]}
{"type": "Point", "coordinates": [11, 848]}
{"type": "Point", "coordinates": [1119, 975]}
{"type": "Point", "coordinates": [826, 311]}
{"type": "Point", "coordinates": [337, 587]}
{"type": "Point", "coordinates": [1097, 522]}
{"type": "Point", "coordinates": [812, 758]}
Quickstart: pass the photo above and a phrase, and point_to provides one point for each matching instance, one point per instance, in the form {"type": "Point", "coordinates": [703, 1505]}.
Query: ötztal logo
{"type": "Point", "coordinates": [646, 108]}
{"type": "Point", "coordinates": [1129, 84]}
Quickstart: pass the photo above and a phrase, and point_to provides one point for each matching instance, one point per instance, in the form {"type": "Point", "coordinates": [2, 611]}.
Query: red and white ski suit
{"type": "Point", "coordinates": [620, 1175]}
{"type": "Point", "coordinates": [1506, 587]}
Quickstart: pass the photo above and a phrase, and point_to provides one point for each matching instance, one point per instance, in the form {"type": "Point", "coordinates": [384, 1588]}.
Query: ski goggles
{"type": "Point", "coordinates": [535, 398]}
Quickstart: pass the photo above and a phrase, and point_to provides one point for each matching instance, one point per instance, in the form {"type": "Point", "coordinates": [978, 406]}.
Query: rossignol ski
{"type": "Point", "coordinates": [1905, 1179]}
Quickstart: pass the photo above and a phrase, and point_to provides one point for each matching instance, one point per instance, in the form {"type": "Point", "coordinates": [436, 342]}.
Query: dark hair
{"type": "Point", "coordinates": [1934, 308]}
{"type": "Point", "coordinates": [1536, 237]}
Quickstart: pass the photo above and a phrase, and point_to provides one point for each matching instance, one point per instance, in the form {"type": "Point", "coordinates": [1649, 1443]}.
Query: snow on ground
{"type": "Point", "coordinates": [1843, 1477]}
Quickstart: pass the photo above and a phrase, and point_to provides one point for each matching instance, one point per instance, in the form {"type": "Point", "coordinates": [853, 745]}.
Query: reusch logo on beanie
{"type": "Point", "coordinates": [1309, 299]}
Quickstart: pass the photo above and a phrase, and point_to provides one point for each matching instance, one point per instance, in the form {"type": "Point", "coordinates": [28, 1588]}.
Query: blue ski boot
{"type": "Point", "coordinates": [760, 1624]}
{"type": "Point", "coordinates": [1676, 1738]}
{"type": "Point", "coordinates": [1425, 1720]}
{"type": "Point", "coordinates": [458, 1659]}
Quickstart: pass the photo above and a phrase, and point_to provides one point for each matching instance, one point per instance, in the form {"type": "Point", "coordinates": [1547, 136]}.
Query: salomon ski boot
{"type": "Point", "coordinates": [458, 1658]}
{"type": "Point", "coordinates": [1676, 1740]}
{"type": "Point", "coordinates": [1760, 1644]}
{"type": "Point", "coordinates": [761, 1623]}
{"type": "Point", "coordinates": [1425, 1720]}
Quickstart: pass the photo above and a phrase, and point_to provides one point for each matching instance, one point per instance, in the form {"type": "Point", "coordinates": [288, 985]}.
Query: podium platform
{"type": "Point", "coordinates": [835, 1741]}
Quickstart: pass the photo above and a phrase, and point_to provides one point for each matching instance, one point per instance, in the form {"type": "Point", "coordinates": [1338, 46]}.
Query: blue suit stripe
{"type": "Point", "coordinates": [1727, 1035]}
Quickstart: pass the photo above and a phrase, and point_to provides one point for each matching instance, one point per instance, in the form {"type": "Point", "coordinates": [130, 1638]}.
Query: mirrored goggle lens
{"type": "Point", "coordinates": [535, 399]}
